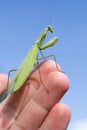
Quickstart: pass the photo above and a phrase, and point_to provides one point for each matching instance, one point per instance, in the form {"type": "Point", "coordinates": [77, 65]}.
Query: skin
{"type": "Point", "coordinates": [34, 106]}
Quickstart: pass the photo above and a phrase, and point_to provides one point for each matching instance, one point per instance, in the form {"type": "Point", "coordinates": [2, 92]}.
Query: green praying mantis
{"type": "Point", "coordinates": [29, 61]}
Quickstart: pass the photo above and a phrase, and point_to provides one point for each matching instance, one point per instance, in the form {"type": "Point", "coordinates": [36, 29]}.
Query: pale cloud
{"type": "Point", "coordinates": [79, 125]}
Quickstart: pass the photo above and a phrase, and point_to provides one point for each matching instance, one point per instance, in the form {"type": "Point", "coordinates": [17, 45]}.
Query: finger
{"type": "Point", "coordinates": [3, 82]}
{"type": "Point", "coordinates": [32, 84]}
{"type": "Point", "coordinates": [34, 113]}
{"type": "Point", "coordinates": [58, 118]}
{"type": "Point", "coordinates": [13, 105]}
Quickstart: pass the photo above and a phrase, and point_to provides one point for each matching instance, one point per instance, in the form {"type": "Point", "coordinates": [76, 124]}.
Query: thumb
{"type": "Point", "coordinates": [3, 86]}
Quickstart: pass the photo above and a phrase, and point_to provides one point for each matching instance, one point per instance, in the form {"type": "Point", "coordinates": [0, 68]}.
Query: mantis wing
{"type": "Point", "coordinates": [22, 73]}
{"type": "Point", "coordinates": [24, 69]}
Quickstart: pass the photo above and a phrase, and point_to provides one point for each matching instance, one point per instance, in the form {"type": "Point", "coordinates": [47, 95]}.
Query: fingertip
{"type": "Point", "coordinates": [48, 66]}
{"type": "Point", "coordinates": [58, 82]}
{"type": "Point", "coordinates": [54, 76]}
{"type": "Point", "coordinates": [64, 80]}
{"type": "Point", "coordinates": [3, 82]}
{"type": "Point", "coordinates": [58, 118]}
{"type": "Point", "coordinates": [63, 111]}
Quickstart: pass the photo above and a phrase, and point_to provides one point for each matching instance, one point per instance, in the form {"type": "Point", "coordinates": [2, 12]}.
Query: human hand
{"type": "Point", "coordinates": [34, 106]}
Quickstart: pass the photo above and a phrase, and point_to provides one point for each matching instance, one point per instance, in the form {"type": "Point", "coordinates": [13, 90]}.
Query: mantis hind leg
{"type": "Point", "coordinates": [45, 57]}
{"type": "Point", "coordinates": [38, 67]}
{"type": "Point", "coordinates": [6, 93]}
{"type": "Point", "coordinates": [10, 71]}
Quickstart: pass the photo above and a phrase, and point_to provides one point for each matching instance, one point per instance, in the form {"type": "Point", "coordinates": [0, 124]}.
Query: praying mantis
{"type": "Point", "coordinates": [29, 61]}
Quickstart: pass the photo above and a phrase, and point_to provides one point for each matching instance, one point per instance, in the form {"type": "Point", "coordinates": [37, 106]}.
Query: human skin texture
{"type": "Point", "coordinates": [37, 105]}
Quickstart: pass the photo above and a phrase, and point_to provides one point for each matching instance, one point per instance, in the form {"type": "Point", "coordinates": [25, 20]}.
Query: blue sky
{"type": "Point", "coordinates": [21, 21]}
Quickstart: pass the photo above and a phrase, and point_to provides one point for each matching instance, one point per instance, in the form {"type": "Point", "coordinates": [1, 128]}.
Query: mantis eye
{"type": "Point", "coordinates": [50, 29]}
